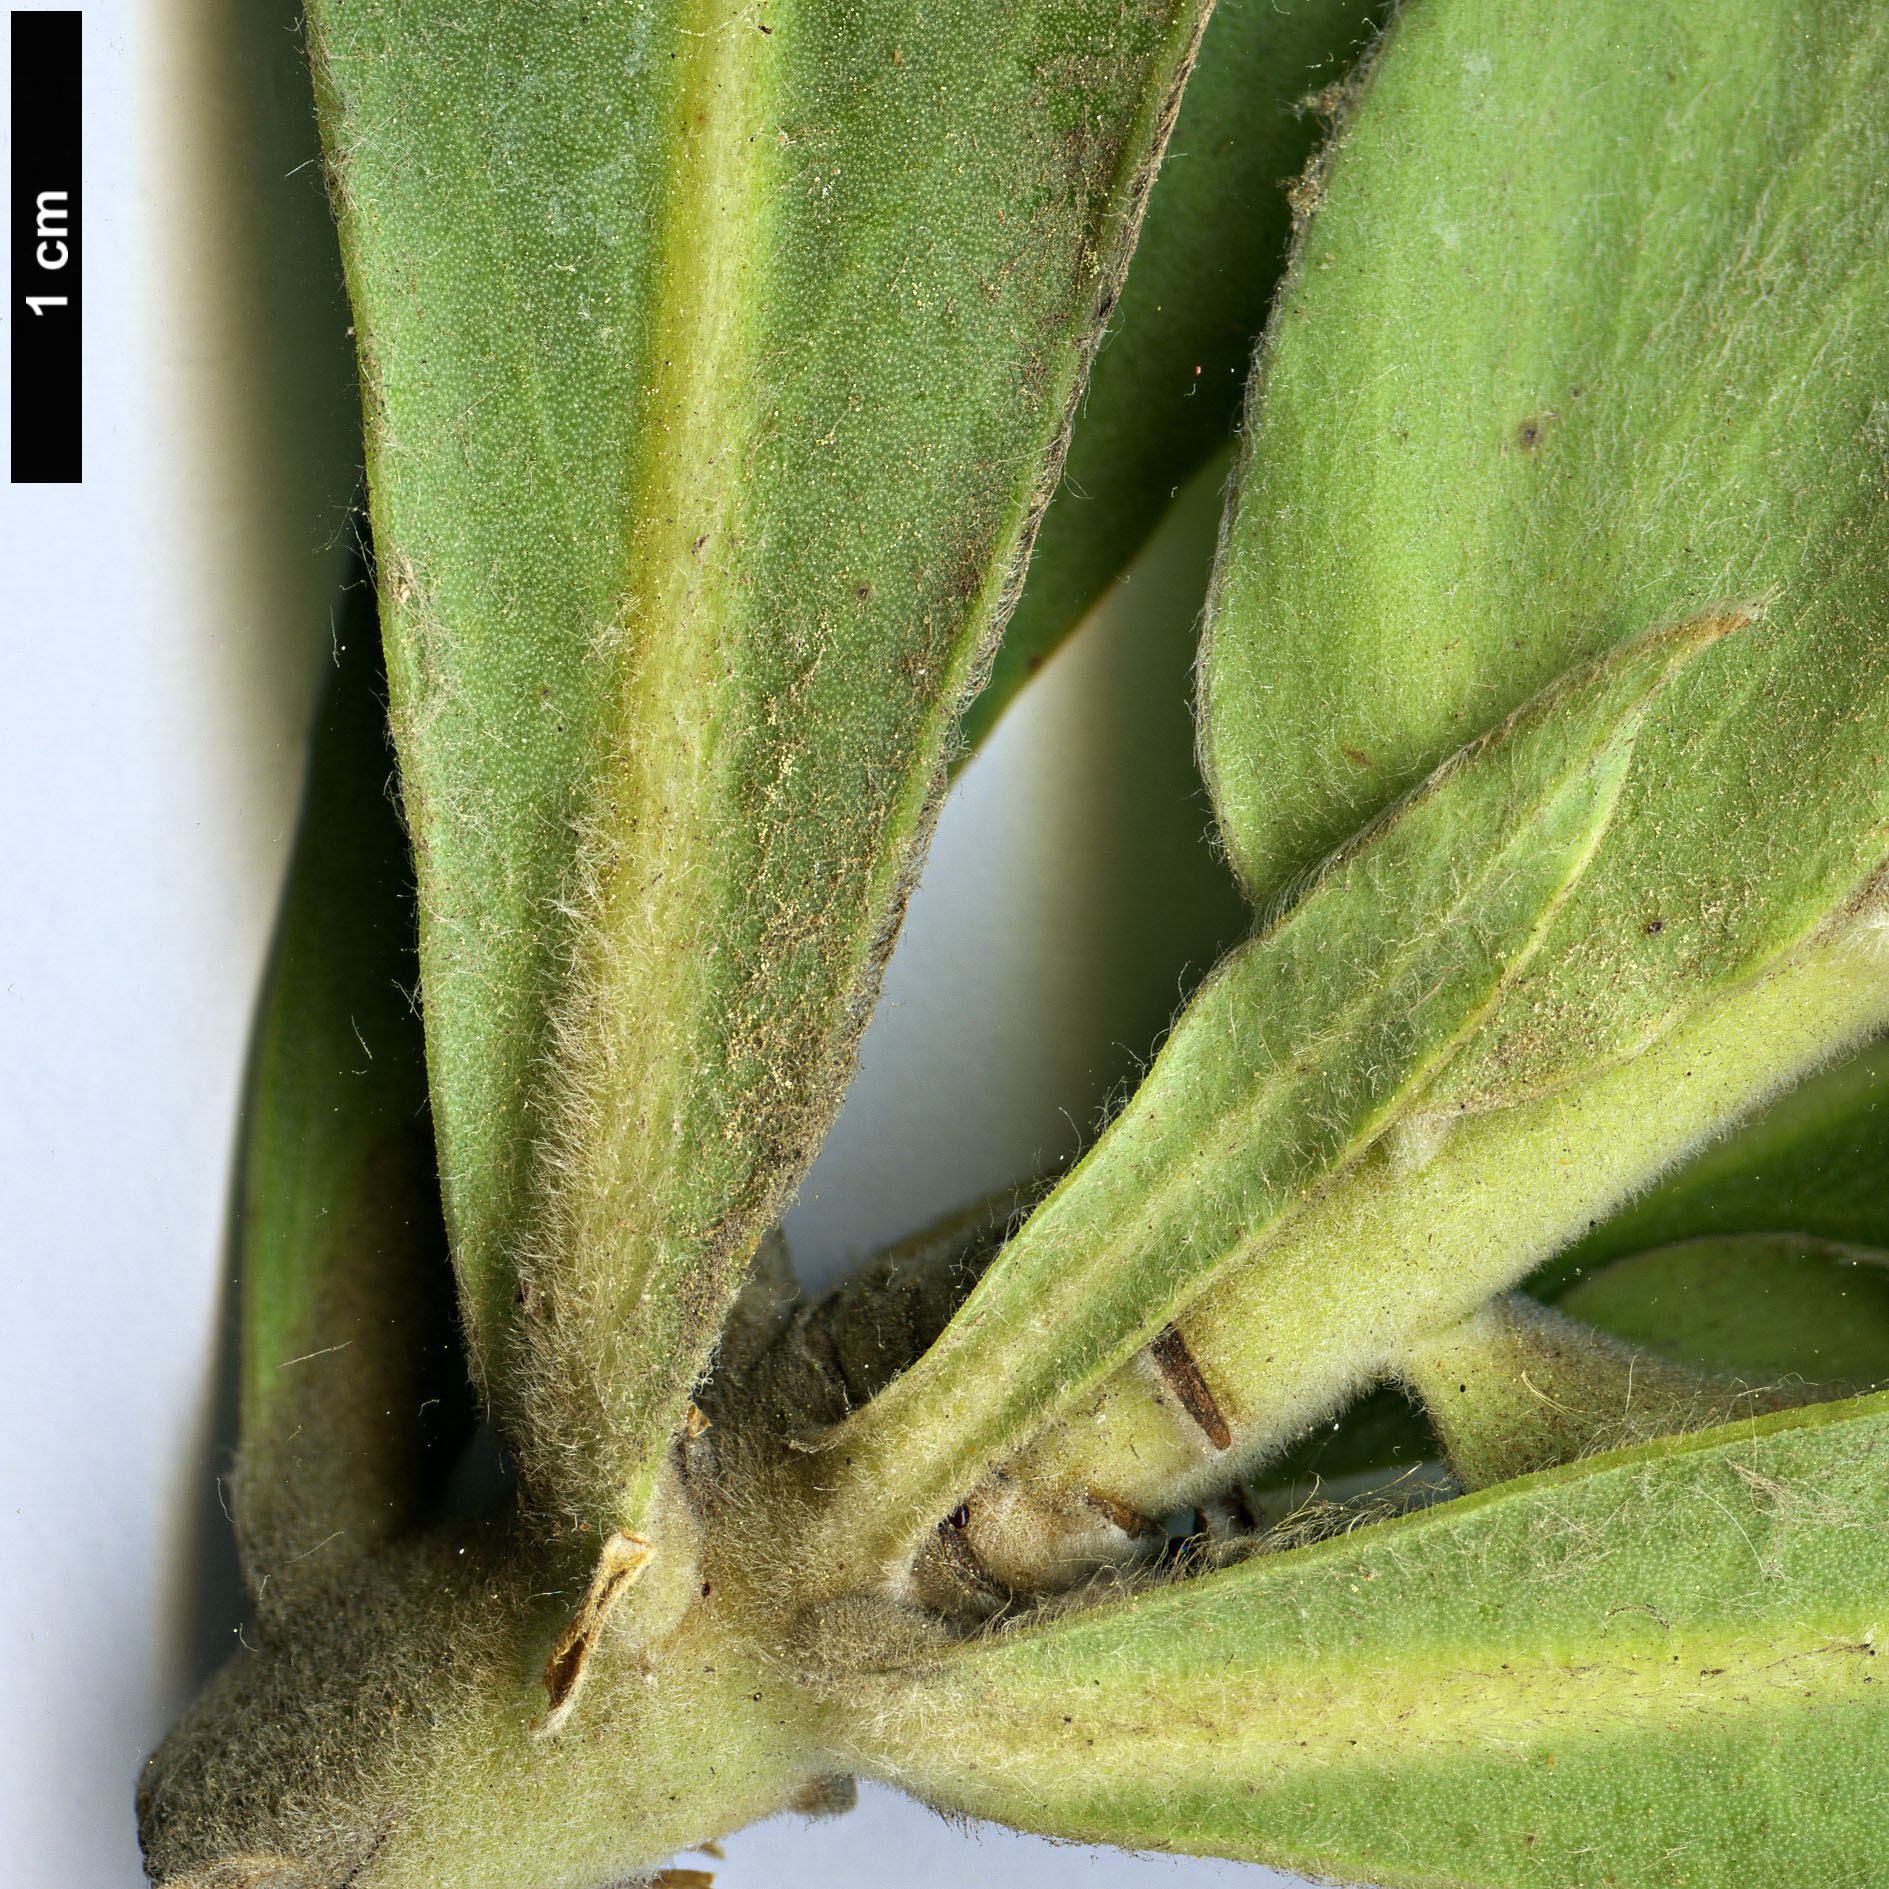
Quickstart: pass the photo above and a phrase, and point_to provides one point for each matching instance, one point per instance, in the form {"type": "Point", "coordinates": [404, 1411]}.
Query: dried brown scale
{"type": "Point", "coordinates": [1176, 1364]}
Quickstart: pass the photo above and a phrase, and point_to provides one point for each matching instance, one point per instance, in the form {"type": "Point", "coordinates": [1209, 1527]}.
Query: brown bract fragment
{"type": "Point", "coordinates": [1130, 1521]}
{"type": "Point", "coordinates": [622, 1561]}
{"type": "Point", "coordinates": [1182, 1375]}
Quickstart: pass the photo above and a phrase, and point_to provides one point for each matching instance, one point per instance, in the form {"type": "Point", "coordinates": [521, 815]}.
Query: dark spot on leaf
{"type": "Point", "coordinates": [1528, 434]}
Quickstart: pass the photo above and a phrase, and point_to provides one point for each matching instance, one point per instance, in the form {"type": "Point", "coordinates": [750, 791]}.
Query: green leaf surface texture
{"type": "Point", "coordinates": [1812, 1163]}
{"type": "Point", "coordinates": [1586, 335]}
{"type": "Point", "coordinates": [1767, 1307]}
{"type": "Point", "coordinates": [716, 361]}
{"type": "Point", "coordinates": [1656, 1667]}
{"type": "Point", "coordinates": [352, 1381]}
{"type": "Point", "coordinates": [1300, 1050]}
{"type": "Point", "coordinates": [1170, 375]}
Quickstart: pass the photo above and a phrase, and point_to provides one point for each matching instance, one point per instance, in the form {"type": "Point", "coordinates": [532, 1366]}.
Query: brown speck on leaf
{"type": "Point", "coordinates": [825, 1797]}
{"type": "Point", "coordinates": [1528, 433]}
{"type": "Point", "coordinates": [1654, 926]}
{"type": "Point", "coordinates": [1356, 756]}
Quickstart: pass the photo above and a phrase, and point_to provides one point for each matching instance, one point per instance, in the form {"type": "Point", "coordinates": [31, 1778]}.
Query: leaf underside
{"type": "Point", "coordinates": [1812, 1163]}
{"type": "Point", "coordinates": [716, 362]}
{"type": "Point", "coordinates": [353, 1392]}
{"type": "Point", "coordinates": [717, 372]}
{"type": "Point", "coordinates": [1294, 1058]}
{"type": "Point", "coordinates": [1557, 363]}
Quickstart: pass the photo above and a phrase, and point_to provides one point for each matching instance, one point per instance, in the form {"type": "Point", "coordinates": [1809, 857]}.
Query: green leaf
{"type": "Point", "coordinates": [1450, 1208]}
{"type": "Point", "coordinates": [1814, 1162]}
{"type": "Point", "coordinates": [1169, 376]}
{"type": "Point", "coordinates": [1761, 1305]}
{"type": "Point", "coordinates": [1584, 337]}
{"type": "Point", "coordinates": [1298, 1053]}
{"type": "Point", "coordinates": [1653, 1667]}
{"type": "Point", "coordinates": [717, 359]}
{"type": "Point", "coordinates": [353, 1389]}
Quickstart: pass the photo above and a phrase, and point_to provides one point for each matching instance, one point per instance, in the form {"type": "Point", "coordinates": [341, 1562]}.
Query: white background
{"type": "Point", "coordinates": [164, 631]}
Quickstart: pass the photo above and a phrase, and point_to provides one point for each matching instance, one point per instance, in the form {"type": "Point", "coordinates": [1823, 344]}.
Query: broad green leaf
{"type": "Point", "coordinates": [1415, 562]}
{"type": "Point", "coordinates": [1760, 1305]}
{"type": "Point", "coordinates": [352, 1386]}
{"type": "Point", "coordinates": [1171, 371]}
{"type": "Point", "coordinates": [1649, 1668]}
{"type": "Point", "coordinates": [1585, 336]}
{"type": "Point", "coordinates": [1815, 1162]}
{"type": "Point", "coordinates": [1298, 1053]}
{"type": "Point", "coordinates": [717, 358]}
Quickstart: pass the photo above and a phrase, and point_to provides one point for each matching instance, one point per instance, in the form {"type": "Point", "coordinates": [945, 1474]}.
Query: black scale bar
{"type": "Point", "coordinates": [47, 300]}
